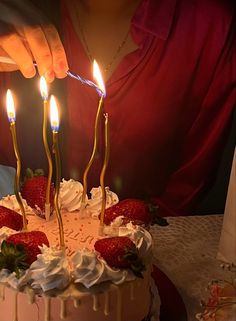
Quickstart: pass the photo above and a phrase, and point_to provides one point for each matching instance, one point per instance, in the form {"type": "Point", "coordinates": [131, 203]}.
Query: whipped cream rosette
{"type": "Point", "coordinates": [9, 278]}
{"type": "Point", "coordinates": [50, 271]}
{"type": "Point", "coordinates": [11, 202]}
{"type": "Point", "coordinates": [71, 195]}
{"type": "Point", "coordinates": [89, 269]}
{"type": "Point", "coordinates": [95, 202]}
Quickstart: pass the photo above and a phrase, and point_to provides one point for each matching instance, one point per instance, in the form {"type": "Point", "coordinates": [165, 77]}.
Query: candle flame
{"type": "Point", "coordinates": [43, 88]}
{"type": "Point", "coordinates": [54, 114]}
{"type": "Point", "coordinates": [10, 107]}
{"type": "Point", "coordinates": [98, 77]}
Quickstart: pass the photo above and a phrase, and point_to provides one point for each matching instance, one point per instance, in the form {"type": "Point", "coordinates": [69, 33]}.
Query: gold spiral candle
{"type": "Point", "coordinates": [98, 77]}
{"type": "Point", "coordinates": [85, 175]}
{"type": "Point", "coordinates": [103, 171]}
{"type": "Point", "coordinates": [55, 148]}
{"type": "Point", "coordinates": [12, 118]}
{"type": "Point", "coordinates": [44, 94]}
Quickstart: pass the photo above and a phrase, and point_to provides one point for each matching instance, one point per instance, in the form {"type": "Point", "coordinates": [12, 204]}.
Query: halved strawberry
{"type": "Point", "coordinates": [34, 190]}
{"type": "Point", "coordinates": [120, 252]}
{"type": "Point", "coordinates": [10, 218]}
{"type": "Point", "coordinates": [133, 210]}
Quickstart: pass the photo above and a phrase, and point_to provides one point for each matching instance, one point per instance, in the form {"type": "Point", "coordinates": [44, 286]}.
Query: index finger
{"type": "Point", "coordinates": [47, 49]}
{"type": "Point", "coordinates": [60, 64]}
{"type": "Point", "coordinates": [39, 47]}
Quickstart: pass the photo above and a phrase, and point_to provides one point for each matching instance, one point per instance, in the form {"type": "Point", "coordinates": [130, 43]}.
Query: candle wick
{"type": "Point", "coordinates": [85, 82]}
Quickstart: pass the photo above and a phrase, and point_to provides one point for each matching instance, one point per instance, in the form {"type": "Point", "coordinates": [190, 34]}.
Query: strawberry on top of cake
{"type": "Point", "coordinates": [131, 210]}
{"type": "Point", "coordinates": [10, 219]}
{"type": "Point", "coordinates": [33, 190]}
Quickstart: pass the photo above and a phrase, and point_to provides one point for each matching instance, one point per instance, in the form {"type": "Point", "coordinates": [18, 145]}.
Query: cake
{"type": "Point", "coordinates": [77, 284]}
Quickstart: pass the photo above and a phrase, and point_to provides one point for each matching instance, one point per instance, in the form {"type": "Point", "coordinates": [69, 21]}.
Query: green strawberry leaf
{"type": "Point", "coordinates": [155, 218]}
{"type": "Point", "coordinates": [13, 257]}
{"type": "Point", "coordinates": [29, 173]}
{"type": "Point", "coordinates": [39, 172]}
{"type": "Point", "coordinates": [135, 263]}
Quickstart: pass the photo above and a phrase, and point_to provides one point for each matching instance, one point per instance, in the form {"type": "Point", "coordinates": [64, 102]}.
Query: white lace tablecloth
{"type": "Point", "coordinates": [186, 252]}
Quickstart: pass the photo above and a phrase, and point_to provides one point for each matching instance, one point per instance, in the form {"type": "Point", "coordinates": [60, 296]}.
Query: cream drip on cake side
{"type": "Point", "coordinates": [110, 303]}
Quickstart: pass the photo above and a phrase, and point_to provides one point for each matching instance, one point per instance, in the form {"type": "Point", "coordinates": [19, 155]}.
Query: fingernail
{"type": "Point", "coordinates": [30, 72]}
{"type": "Point", "coordinates": [61, 67]}
{"type": "Point", "coordinates": [49, 75]}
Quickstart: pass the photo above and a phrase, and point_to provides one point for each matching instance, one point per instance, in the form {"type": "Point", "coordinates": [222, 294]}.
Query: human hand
{"type": "Point", "coordinates": [27, 36]}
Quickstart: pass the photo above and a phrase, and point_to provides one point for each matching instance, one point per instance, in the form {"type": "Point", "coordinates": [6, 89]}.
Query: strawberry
{"type": "Point", "coordinates": [34, 189]}
{"type": "Point", "coordinates": [133, 210]}
{"type": "Point", "coordinates": [30, 242]}
{"type": "Point", "coordinates": [10, 218]}
{"type": "Point", "coordinates": [20, 250]}
{"type": "Point", "coordinates": [120, 252]}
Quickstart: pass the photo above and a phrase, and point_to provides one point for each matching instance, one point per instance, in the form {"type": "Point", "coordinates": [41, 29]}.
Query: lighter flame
{"type": "Point", "coordinates": [98, 77]}
{"type": "Point", "coordinates": [43, 88]}
{"type": "Point", "coordinates": [54, 114]}
{"type": "Point", "coordinates": [10, 107]}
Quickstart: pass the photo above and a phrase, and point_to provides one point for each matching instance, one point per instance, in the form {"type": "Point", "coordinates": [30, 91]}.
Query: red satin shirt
{"type": "Point", "coordinates": [169, 102]}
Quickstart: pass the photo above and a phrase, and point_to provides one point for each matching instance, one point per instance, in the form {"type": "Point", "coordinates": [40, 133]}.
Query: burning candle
{"type": "Point", "coordinates": [55, 131]}
{"type": "Point", "coordinates": [98, 77]}
{"type": "Point", "coordinates": [12, 121]}
{"type": "Point", "coordinates": [44, 95]}
{"type": "Point", "coordinates": [103, 171]}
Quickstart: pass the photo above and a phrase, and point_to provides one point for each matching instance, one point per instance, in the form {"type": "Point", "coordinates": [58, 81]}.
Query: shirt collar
{"type": "Point", "coordinates": [155, 17]}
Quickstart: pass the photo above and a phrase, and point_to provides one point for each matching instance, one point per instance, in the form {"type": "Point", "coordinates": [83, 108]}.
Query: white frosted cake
{"type": "Point", "coordinates": [76, 283]}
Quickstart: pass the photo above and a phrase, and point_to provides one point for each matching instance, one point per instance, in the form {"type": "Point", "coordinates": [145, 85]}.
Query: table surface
{"type": "Point", "coordinates": [185, 251]}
